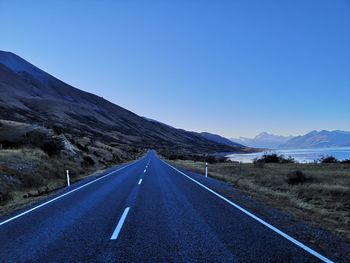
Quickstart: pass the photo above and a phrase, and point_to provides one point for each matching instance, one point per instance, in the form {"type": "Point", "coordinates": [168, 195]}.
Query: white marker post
{"type": "Point", "coordinates": [68, 180]}
{"type": "Point", "coordinates": [206, 170]}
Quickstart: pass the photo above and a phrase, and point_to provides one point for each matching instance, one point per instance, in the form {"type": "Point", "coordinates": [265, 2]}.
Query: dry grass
{"type": "Point", "coordinates": [23, 197]}
{"type": "Point", "coordinates": [324, 197]}
{"type": "Point", "coordinates": [34, 167]}
{"type": "Point", "coordinates": [28, 175]}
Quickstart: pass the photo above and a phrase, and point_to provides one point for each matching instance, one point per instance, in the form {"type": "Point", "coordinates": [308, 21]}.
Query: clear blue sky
{"type": "Point", "coordinates": [228, 67]}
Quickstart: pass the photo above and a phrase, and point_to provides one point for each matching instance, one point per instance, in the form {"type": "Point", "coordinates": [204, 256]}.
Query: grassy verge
{"type": "Point", "coordinates": [319, 193]}
{"type": "Point", "coordinates": [27, 175]}
{"type": "Point", "coordinates": [21, 198]}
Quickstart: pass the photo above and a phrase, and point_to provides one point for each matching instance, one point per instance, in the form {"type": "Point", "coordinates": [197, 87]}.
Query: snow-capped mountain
{"type": "Point", "coordinates": [263, 140]}
{"type": "Point", "coordinates": [315, 139]}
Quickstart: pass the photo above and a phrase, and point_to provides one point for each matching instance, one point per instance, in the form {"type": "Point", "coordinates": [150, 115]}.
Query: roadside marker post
{"type": "Point", "coordinates": [68, 179]}
{"type": "Point", "coordinates": [206, 170]}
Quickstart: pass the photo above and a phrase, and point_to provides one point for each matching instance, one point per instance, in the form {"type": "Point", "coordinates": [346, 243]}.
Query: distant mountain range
{"type": "Point", "coordinates": [313, 139]}
{"type": "Point", "coordinates": [263, 140]}
{"type": "Point", "coordinates": [30, 95]}
{"type": "Point", "coordinates": [318, 139]}
{"type": "Point", "coordinates": [220, 139]}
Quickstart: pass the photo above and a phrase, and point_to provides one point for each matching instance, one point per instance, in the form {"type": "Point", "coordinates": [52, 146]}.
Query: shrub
{"type": "Point", "coordinates": [53, 146]}
{"type": "Point", "coordinates": [275, 158]}
{"type": "Point", "coordinates": [116, 158]}
{"type": "Point", "coordinates": [346, 161]}
{"type": "Point", "coordinates": [37, 137]}
{"type": "Point", "coordinates": [328, 159]}
{"type": "Point", "coordinates": [172, 157]}
{"type": "Point", "coordinates": [211, 159]}
{"type": "Point", "coordinates": [197, 158]}
{"type": "Point", "coordinates": [271, 158]}
{"type": "Point", "coordinates": [88, 161]}
{"type": "Point", "coordinates": [4, 196]}
{"type": "Point", "coordinates": [32, 180]}
{"type": "Point", "coordinates": [57, 129]}
{"type": "Point", "coordinates": [83, 148]}
{"type": "Point", "coordinates": [176, 157]}
{"type": "Point", "coordinates": [296, 177]}
{"type": "Point", "coordinates": [290, 159]}
{"type": "Point", "coordinates": [181, 157]}
{"type": "Point", "coordinates": [9, 144]}
{"type": "Point", "coordinates": [222, 159]}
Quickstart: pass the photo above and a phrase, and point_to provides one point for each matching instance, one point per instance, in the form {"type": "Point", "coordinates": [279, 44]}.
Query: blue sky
{"type": "Point", "coordinates": [235, 68]}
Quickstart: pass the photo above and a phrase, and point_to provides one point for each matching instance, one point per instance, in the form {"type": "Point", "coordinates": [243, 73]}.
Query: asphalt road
{"type": "Point", "coordinates": [146, 211]}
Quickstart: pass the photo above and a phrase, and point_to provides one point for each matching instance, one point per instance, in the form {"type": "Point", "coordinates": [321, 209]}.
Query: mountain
{"type": "Point", "coordinates": [220, 139]}
{"type": "Point", "coordinates": [263, 140]}
{"type": "Point", "coordinates": [31, 96]}
{"type": "Point", "coordinates": [316, 139]}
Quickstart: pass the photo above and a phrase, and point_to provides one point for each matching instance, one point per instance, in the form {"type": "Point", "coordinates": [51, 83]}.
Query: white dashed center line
{"type": "Point", "coordinates": [120, 224]}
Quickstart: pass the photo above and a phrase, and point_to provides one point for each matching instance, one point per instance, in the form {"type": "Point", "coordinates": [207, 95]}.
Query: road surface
{"type": "Point", "coordinates": [146, 211]}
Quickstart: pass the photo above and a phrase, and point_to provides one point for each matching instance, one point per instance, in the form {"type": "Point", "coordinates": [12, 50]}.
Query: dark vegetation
{"type": "Point", "coordinates": [53, 146]}
{"type": "Point", "coordinates": [88, 161]}
{"type": "Point", "coordinates": [15, 136]}
{"type": "Point", "coordinates": [297, 177]}
{"type": "Point", "coordinates": [195, 157]}
{"type": "Point", "coordinates": [332, 159]}
{"type": "Point", "coordinates": [274, 158]}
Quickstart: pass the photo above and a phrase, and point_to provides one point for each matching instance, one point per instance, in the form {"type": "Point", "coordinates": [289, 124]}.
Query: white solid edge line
{"type": "Point", "coordinates": [120, 224]}
{"type": "Point", "coordinates": [140, 181]}
{"type": "Point", "coordinates": [59, 197]}
{"type": "Point", "coordinates": [291, 239]}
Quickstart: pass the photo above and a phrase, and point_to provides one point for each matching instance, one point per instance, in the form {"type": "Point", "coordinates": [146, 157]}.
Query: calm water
{"type": "Point", "coordinates": [301, 155]}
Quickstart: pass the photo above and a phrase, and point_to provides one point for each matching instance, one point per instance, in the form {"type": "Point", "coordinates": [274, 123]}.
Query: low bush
{"type": "Point", "coordinates": [5, 144]}
{"type": "Point", "coordinates": [57, 129]}
{"type": "Point", "coordinates": [83, 148]}
{"type": "Point", "coordinates": [53, 146]}
{"type": "Point", "coordinates": [88, 161]}
{"type": "Point", "coordinates": [222, 159]}
{"type": "Point", "coordinates": [176, 157]}
{"type": "Point", "coordinates": [32, 180]}
{"type": "Point", "coordinates": [172, 157]}
{"type": "Point", "coordinates": [328, 159]}
{"type": "Point", "coordinates": [275, 158]}
{"type": "Point", "coordinates": [4, 196]}
{"type": "Point", "coordinates": [297, 177]}
{"type": "Point", "coordinates": [211, 159]}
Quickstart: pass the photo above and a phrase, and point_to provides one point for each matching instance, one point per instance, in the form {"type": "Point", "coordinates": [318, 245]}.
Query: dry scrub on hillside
{"type": "Point", "coordinates": [34, 160]}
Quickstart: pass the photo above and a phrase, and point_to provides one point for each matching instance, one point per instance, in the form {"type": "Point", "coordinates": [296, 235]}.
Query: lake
{"type": "Point", "coordinates": [300, 155]}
